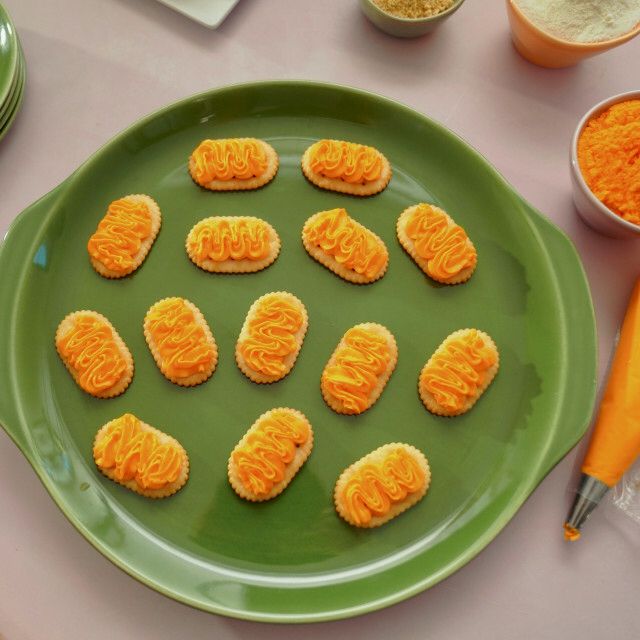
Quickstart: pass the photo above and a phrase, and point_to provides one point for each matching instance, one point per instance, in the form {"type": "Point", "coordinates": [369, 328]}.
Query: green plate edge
{"type": "Point", "coordinates": [9, 53]}
{"type": "Point", "coordinates": [571, 288]}
{"type": "Point", "coordinates": [7, 118]}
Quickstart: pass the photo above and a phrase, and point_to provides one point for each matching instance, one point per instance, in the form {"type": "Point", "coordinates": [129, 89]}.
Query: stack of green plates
{"type": "Point", "coordinates": [12, 72]}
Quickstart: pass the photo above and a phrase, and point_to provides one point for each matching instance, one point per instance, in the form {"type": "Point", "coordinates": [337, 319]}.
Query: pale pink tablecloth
{"type": "Point", "coordinates": [95, 66]}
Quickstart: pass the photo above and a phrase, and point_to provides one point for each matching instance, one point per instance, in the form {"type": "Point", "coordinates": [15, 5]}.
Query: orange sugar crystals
{"type": "Point", "coordinates": [180, 341]}
{"type": "Point", "coordinates": [346, 167]}
{"type": "Point", "coordinates": [609, 158]}
{"type": "Point", "coordinates": [140, 457]}
{"type": "Point", "coordinates": [232, 164]}
{"type": "Point", "coordinates": [270, 454]}
{"type": "Point", "coordinates": [124, 236]}
{"type": "Point", "coordinates": [94, 354]}
{"type": "Point", "coordinates": [458, 373]}
{"type": "Point", "coordinates": [381, 485]}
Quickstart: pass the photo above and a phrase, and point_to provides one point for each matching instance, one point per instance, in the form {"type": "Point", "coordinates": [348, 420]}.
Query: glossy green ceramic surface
{"type": "Point", "coordinates": [8, 55]}
{"type": "Point", "coordinates": [14, 100]}
{"type": "Point", "coordinates": [293, 559]}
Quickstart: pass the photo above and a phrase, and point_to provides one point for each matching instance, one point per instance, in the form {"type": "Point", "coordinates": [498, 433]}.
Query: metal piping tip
{"type": "Point", "coordinates": [589, 493]}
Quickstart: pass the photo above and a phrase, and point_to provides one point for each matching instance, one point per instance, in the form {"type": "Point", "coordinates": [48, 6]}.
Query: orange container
{"type": "Point", "coordinates": [548, 51]}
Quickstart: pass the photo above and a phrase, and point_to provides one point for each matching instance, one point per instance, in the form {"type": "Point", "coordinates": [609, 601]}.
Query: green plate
{"type": "Point", "coordinates": [293, 559]}
{"type": "Point", "coordinates": [15, 98]}
{"type": "Point", "coordinates": [8, 55]}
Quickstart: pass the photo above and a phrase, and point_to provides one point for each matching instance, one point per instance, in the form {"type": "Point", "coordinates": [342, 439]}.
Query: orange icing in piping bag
{"type": "Point", "coordinates": [615, 442]}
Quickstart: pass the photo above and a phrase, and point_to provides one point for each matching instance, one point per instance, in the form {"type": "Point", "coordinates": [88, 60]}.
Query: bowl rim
{"type": "Point", "coordinates": [597, 109]}
{"type": "Point", "coordinates": [571, 44]}
{"type": "Point", "coordinates": [456, 4]}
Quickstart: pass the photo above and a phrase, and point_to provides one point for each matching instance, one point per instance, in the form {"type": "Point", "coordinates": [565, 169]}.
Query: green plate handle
{"type": "Point", "coordinates": [19, 241]}
{"type": "Point", "coordinates": [579, 317]}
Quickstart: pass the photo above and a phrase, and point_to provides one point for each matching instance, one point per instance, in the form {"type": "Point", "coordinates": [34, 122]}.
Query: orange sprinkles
{"type": "Point", "coordinates": [609, 158]}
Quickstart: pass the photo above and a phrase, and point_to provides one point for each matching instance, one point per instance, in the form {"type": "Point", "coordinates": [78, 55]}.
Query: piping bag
{"type": "Point", "coordinates": [615, 442]}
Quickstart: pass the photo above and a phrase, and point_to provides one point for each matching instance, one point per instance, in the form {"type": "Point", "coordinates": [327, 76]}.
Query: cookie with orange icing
{"type": "Point", "coordinates": [346, 167]}
{"type": "Point", "coordinates": [359, 368]}
{"type": "Point", "coordinates": [271, 337]}
{"type": "Point", "coordinates": [233, 164]}
{"type": "Point", "coordinates": [124, 236]}
{"type": "Point", "coordinates": [381, 485]}
{"type": "Point", "coordinates": [344, 246]}
{"type": "Point", "coordinates": [439, 246]}
{"type": "Point", "coordinates": [232, 244]}
{"type": "Point", "coordinates": [94, 354]}
{"type": "Point", "coordinates": [180, 341]}
{"type": "Point", "coordinates": [140, 457]}
{"type": "Point", "coordinates": [458, 372]}
{"type": "Point", "coordinates": [270, 454]}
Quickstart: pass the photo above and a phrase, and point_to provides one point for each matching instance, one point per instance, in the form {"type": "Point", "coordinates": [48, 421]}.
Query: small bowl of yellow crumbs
{"type": "Point", "coordinates": [408, 18]}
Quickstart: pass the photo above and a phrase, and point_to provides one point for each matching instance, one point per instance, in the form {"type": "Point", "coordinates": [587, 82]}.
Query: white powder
{"type": "Point", "coordinates": [583, 20]}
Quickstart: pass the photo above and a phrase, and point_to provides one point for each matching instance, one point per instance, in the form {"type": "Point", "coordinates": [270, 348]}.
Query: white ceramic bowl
{"type": "Point", "coordinates": [593, 212]}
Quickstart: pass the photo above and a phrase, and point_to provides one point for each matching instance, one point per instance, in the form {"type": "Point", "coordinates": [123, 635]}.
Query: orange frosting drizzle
{"type": "Point", "coordinates": [119, 235]}
{"type": "Point", "coordinates": [570, 533]}
{"type": "Point", "coordinates": [262, 459]}
{"type": "Point", "coordinates": [272, 329]}
{"type": "Point", "coordinates": [134, 454]}
{"type": "Point", "coordinates": [348, 161]}
{"type": "Point", "coordinates": [443, 245]}
{"type": "Point", "coordinates": [239, 239]}
{"type": "Point", "coordinates": [228, 159]}
{"type": "Point", "coordinates": [350, 244]}
{"type": "Point", "coordinates": [90, 348]}
{"type": "Point", "coordinates": [182, 342]}
{"type": "Point", "coordinates": [359, 363]}
{"type": "Point", "coordinates": [456, 372]}
{"type": "Point", "coordinates": [375, 487]}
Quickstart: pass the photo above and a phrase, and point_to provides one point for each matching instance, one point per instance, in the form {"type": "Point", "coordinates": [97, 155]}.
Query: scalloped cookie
{"type": "Point", "coordinates": [346, 167]}
{"type": "Point", "coordinates": [270, 454]}
{"type": "Point", "coordinates": [344, 246]}
{"type": "Point", "coordinates": [124, 236]}
{"type": "Point", "coordinates": [458, 372]}
{"type": "Point", "coordinates": [233, 164]}
{"type": "Point", "coordinates": [381, 485]}
{"type": "Point", "coordinates": [140, 457]}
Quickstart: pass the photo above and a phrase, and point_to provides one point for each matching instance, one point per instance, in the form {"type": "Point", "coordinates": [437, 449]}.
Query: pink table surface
{"type": "Point", "coordinates": [96, 66]}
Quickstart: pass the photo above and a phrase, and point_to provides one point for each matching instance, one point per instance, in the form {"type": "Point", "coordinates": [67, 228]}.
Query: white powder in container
{"type": "Point", "coordinates": [583, 20]}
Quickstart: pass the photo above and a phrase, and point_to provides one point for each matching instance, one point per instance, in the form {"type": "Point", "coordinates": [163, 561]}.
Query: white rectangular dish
{"type": "Point", "coordinates": [209, 13]}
